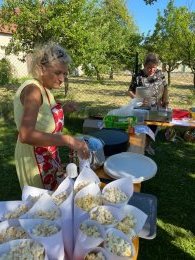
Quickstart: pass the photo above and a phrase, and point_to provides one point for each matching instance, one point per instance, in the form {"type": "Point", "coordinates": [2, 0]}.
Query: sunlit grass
{"type": "Point", "coordinates": [181, 238]}
{"type": "Point", "coordinates": [192, 175]}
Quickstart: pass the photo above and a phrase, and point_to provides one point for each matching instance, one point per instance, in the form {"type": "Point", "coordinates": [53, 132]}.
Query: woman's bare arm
{"type": "Point", "coordinates": [165, 98]}
{"type": "Point", "coordinates": [32, 100]}
{"type": "Point", "coordinates": [131, 94]}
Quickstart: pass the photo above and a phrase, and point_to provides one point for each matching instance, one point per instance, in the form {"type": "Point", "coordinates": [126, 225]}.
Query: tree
{"type": "Point", "coordinates": [174, 38]}
{"type": "Point", "coordinates": [186, 39]}
{"type": "Point", "coordinates": [164, 39]}
{"type": "Point", "coordinates": [37, 23]}
{"type": "Point", "coordinates": [5, 72]}
{"type": "Point", "coordinates": [149, 2]}
{"type": "Point", "coordinates": [113, 35]}
{"type": "Point", "coordinates": [93, 31]}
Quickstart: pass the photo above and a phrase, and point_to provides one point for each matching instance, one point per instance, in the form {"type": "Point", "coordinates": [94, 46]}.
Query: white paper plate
{"type": "Point", "coordinates": [139, 166]}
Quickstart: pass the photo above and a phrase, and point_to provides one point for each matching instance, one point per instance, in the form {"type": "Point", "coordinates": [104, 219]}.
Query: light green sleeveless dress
{"type": "Point", "coordinates": [26, 163]}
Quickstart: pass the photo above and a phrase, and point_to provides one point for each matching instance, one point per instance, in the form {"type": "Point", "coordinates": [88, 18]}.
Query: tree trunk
{"type": "Point", "coordinates": [169, 77]}
{"type": "Point", "coordinates": [111, 74]}
{"type": "Point", "coordinates": [194, 79]}
{"type": "Point", "coordinates": [97, 74]}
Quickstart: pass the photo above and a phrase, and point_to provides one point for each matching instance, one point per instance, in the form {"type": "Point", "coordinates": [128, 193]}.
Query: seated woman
{"type": "Point", "coordinates": [39, 120]}
{"type": "Point", "coordinates": [154, 79]}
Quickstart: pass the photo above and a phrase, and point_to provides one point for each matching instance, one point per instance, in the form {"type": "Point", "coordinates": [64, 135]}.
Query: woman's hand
{"type": "Point", "coordinates": [82, 149]}
{"type": "Point", "coordinates": [70, 106]}
{"type": "Point", "coordinates": [146, 102]}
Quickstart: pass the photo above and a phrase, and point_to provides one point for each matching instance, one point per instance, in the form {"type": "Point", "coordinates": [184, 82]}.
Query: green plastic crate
{"type": "Point", "coordinates": [121, 122]}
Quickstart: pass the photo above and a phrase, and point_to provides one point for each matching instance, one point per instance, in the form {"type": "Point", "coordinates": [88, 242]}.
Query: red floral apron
{"type": "Point", "coordinates": [47, 158]}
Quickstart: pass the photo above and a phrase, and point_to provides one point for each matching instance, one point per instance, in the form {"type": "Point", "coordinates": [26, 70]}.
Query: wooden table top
{"type": "Point", "coordinates": [185, 123]}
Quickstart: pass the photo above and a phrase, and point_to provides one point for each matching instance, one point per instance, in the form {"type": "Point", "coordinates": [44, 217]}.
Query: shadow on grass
{"type": "Point", "coordinates": [87, 109]}
{"type": "Point", "coordinates": [161, 248]}
{"type": "Point", "coordinates": [73, 125]}
{"type": "Point", "coordinates": [107, 82]}
{"type": "Point", "coordinates": [9, 185]}
{"type": "Point", "coordinates": [173, 184]}
{"type": "Point", "coordinates": [106, 92]}
{"type": "Point", "coordinates": [94, 109]}
{"type": "Point", "coordinates": [183, 87]}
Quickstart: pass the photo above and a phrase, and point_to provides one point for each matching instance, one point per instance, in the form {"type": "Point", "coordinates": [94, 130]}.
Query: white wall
{"type": "Point", "coordinates": [182, 68]}
{"type": "Point", "coordinates": [19, 68]}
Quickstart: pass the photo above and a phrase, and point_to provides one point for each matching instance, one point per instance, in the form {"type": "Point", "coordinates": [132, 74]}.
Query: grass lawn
{"type": "Point", "coordinates": [174, 187]}
{"type": "Point", "coordinates": [174, 184]}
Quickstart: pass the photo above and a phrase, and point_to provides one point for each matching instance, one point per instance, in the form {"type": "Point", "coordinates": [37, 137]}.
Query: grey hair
{"type": "Point", "coordinates": [46, 55]}
{"type": "Point", "coordinates": [151, 58]}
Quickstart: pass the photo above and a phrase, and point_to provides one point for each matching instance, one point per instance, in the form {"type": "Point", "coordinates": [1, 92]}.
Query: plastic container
{"type": "Point", "coordinates": [148, 204]}
{"type": "Point", "coordinates": [120, 122]}
{"type": "Point", "coordinates": [96, 148]}
{"type": "Point", "coordinates": [114, 140]}
{"type": "Point", "coordinates": [141, 115]}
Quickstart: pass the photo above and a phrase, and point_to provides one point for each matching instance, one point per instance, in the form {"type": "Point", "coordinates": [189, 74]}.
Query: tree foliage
{"type": "Point", "coordinates": [111, 43]}
{"type": "Point", "coordinates": [186, 39]}
{"type": "Point", "coordinates": [150, 2]}
{"type": "Point", "coordinates": [5, 72]}
{"type": "Point", "coordinates": [168, 35]}
{"type": "Point", "coordinates": [98, 34]}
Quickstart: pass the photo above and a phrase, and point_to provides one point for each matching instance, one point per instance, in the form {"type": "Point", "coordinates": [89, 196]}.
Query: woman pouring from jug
{"type": "Point", "coordinates": [39, 120]}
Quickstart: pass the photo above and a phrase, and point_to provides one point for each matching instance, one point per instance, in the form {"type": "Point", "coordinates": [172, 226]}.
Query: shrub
{"type": "Point", "coordinates": [5, 72]}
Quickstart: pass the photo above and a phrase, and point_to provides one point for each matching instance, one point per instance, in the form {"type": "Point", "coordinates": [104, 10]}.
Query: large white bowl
{"type": "Point", "coordinates": [126, 164]}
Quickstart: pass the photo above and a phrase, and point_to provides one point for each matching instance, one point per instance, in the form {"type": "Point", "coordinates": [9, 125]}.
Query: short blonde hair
{"type": "Point", "coordinates": [46, 55]}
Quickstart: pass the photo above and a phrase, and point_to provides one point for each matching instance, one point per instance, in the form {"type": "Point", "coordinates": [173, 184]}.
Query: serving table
{"type": "Point", "coordinates": [137, 145]}
{"type": "Point", "coordinates": [186, 123]}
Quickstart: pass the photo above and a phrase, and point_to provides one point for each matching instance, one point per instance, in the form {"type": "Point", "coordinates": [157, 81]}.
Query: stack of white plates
{"type": "Point", "coordinates": [138, 166]}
